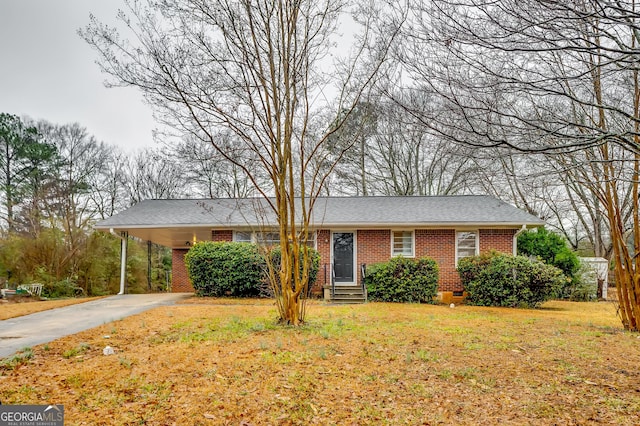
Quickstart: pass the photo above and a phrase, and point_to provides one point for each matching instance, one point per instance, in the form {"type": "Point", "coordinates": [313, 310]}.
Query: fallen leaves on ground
{"type": "Point", "coordinates": [19, 306]}
{"type": "Point", "coordinates": [212, 363]}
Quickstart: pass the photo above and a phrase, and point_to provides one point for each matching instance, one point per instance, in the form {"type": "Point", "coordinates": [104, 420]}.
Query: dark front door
{"type": "Point", "coordinates": [343, 257]}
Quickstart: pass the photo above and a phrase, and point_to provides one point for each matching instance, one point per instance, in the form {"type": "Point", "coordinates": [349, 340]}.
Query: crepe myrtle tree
{"type": "Point", "coordinates": [256, 73]}
{"type": "Point", "coordinates": [559, 78]}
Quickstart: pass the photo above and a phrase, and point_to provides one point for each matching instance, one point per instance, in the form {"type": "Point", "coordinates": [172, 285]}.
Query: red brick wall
{"type": "Point", "coordinates": [373, 246]}
{"type": "Point", "coordinates": [180, 282]}
{"type": "Point", "coordinates": [323, 245]}
{"type": "Point", "coordinates": [440, 245]}
{"type": "Point", "coordinates": [221, 235]}
{"type": "Point", "coordinates": [497, 239]}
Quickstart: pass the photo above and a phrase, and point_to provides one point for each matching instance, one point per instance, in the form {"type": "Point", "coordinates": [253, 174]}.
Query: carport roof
{"type": "Point", "coordinates": [173, 222]}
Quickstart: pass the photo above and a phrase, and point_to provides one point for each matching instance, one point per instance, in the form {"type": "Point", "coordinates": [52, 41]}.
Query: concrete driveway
{"type": "Point", "coordinates": [42, 327]}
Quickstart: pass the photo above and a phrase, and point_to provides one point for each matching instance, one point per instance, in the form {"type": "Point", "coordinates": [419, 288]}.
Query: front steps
{"type": "Point", "coordinates": [348, 295]}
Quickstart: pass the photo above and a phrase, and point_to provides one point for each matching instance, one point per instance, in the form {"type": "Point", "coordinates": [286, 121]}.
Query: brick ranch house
{"type": "Point", "coordinates": [347, 231]}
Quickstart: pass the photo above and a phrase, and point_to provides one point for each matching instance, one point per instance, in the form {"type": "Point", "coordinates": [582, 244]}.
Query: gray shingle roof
{"type": "Point", "coordinates": [372, 212]}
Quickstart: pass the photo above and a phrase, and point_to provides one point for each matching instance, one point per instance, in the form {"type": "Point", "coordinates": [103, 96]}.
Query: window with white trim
{"type": "Point", "coordinates": [311, 239]}
{"type": "Point", "coordinates": [242, 236]}
{"type": "Point", "coordinates": [402, 243]}
{"type": "Point", "coordinates": [466, 244]}
{"type": "Point", "coordinates": [267, 238]}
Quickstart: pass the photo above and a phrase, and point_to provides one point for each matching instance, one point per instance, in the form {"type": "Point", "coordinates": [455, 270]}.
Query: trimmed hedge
{"type": "Point", "coordinates": [234, 269]}
{"type": "Point", "coordinates": [403, 280]}
{"type": "Point", "coordinates": [225, 269]}
{"type": "Point", "coordinates": [496, 279]}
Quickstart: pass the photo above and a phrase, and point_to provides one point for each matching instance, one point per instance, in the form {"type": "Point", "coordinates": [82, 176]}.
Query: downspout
{"type": "Point", "coordinates": [515, 239]}
{"type": "Point", "coordinates": [123, 257]}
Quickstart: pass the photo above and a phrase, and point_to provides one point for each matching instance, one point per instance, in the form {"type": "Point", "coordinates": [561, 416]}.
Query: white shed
{"type": "Point", "coordinates": [600, 272]}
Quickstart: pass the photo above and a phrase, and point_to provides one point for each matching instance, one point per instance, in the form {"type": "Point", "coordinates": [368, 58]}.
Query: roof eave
{"type": "Point", "coordinates": [355, 225]}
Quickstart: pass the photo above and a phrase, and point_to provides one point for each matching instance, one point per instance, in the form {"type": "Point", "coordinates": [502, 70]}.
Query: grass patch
{"type": "Point", "coordinates": [77, 351]}
{"type": "Point", "coordinates": [20, 358]}
{"type": "Point", "coordinates": [369, 364]}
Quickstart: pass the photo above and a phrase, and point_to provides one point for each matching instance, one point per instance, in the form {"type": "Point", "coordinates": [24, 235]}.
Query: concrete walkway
{"type": "Point", "coordinates": [42, 327]}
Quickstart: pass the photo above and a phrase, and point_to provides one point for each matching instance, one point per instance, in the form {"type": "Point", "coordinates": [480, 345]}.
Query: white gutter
{"type": "Point", "coordinates": [515, 239]}
{"type": "Point", "coordinates": [123, 258]}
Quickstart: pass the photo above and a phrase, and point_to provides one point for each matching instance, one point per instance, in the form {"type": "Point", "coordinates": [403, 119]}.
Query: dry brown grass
{"type": "Point", "coordinates": [19, 306]}
{"type": "Point", "coordinates": [211, 363]}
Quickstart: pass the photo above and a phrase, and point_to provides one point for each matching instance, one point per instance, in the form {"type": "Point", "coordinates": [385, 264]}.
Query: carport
{"type": "Point", "coordinates": [178, 224]}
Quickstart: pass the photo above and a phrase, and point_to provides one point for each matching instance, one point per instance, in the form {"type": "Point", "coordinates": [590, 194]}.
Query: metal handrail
{"type": "Point", "coordinates": [363, 274]}
{"type": "Point", "coordinates": [333, 281]}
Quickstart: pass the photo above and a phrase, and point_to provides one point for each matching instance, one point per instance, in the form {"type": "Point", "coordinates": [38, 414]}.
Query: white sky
{"type": "Point", "coordinates": [48, 72]}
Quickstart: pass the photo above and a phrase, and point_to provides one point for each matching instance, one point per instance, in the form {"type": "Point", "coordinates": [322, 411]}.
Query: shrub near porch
{"type": "Point", "coordinates": [497, 279]}
{"type": "Point", "coordinates": [403, 280]}
{"type": "Point", "coordinates": [225, 269]}
{"type": "Point", "coordinates": [236, 269]}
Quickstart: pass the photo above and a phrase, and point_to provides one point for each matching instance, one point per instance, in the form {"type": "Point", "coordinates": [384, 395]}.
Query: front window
{"type": "Point", "coordinates": [402, 244]}
{"type": "Point", "coordinates": [242, 237]}
{"type": "Point", "coordinates": [268, 239]}
{"type": "Point", "coordinates": [467, 244]}
{"type": "Point", "coordinates": [311, 239]}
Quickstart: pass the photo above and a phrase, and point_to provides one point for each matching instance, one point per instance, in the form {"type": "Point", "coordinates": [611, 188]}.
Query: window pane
{"type": "Point", "coordinates": [466, 244]}
{"type": "Point", "coordinates": [311, 239]}
{"type": "Point", "coordinates": [269, 238]}
{"type": "Point", "coordinates": [403, 243]}
{"type": "Point", "coordinates": [242, 237]}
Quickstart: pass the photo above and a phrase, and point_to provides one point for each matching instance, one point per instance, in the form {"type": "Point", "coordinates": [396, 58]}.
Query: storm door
{"type": "Point", "coordinates": [343, 250]}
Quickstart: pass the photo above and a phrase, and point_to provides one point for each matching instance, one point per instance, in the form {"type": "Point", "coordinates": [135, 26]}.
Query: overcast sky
{"type": "Point", "coordinates": [48, 72]}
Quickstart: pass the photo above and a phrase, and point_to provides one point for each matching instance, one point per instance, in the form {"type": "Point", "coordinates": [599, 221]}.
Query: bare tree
{"type": "Point", "coordinates": [108, 195]}
{"type": "Point", "coordinates": [152, 175]}
{"type": "Point", "coordinates": [210, 174]}
{"type": "Point", "coordinates": [81, 158]}
{"type": "Point", "coordinates": [254, 69]}
{"type": "Point", "coordinates": [394, 154]}
{"type": "Point", "coordinates": [407, 159]}
{"type": "Point", "coordinates": [539, 76]}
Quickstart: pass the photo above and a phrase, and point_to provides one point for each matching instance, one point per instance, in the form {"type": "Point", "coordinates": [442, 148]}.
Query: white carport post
{"type": "Point", "coordinates": [123, 257]}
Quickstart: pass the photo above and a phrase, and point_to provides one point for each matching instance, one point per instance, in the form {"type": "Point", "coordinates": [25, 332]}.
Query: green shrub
{"type": "Point", "coordinates": [235, 269]}
{"type": "Point", "coordinates": [225, 269]}
{"type": "Point", "coordinates": [62, 289]}
{"type": "Point", "coordinates": [90, 261]}
{"type": "Point", "coordinates": [470, 267]}
{"type": "Point", "coordinates": [497, 279]}
{"type": "Point", "coordinates": [551, 248]}
{"type": "Point", "coordinates": [403, 280]}
{"type": "Point", "coordinates": [276, 255]}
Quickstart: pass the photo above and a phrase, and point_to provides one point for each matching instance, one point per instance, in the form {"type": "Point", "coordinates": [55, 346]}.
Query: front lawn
{"type": "Point", "coordinates": [210, 363]}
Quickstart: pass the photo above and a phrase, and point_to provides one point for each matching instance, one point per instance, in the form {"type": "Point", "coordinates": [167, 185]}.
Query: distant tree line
{"type": "Point", "coordinates": [56, 181]}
